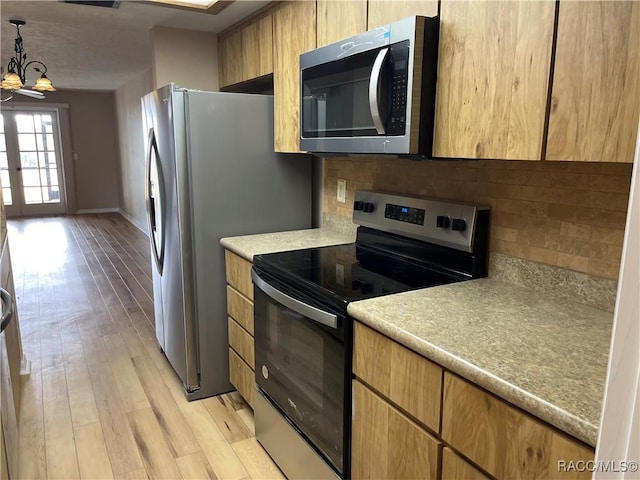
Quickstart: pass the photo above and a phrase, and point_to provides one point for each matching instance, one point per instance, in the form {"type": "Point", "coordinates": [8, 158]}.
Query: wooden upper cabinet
{"type": "Point", "coordinates": [595, 98]}
{"type": "Point", "coordinates": [340, 19]}
{"type": "Point", "coordinates": [382, 12]}
{"type": "Point", "coordinates": [257, 48]}
{"type": "Point", "coordinates": [493, 77]}
{"type": "Point", "coordinates": [294, 33]}
{"type": "Point", "coordinates": [230, 59]}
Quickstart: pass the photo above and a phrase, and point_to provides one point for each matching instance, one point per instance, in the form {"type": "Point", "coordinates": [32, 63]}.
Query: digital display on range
{"type": "Point", "coordinates": [404, 214]}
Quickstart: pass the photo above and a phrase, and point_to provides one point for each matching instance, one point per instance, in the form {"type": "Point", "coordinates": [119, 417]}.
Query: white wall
{"type": "Point", "coordinates": [185, 57]}
{"type": "Point", "coordinates": [619, 439]}
{"type": "Point", "coordinates": [132, 156]}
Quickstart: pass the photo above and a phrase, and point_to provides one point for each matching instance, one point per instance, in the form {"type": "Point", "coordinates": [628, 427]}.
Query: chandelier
{"type": "Point", "coordinates": [15, 78]}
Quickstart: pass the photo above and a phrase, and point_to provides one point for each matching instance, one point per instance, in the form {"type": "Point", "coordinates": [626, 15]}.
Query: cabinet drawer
{"type": "Point", "coordinates": [387, 444]}
{"type": "Point", "coordinates": [501, 439]}
{"type": "Point", "coordinates": [240, 308]}
{"type": "Point", "coordinates": [239, 273]}
{"type": "Point", "coordinates": [241, 342]}
{"type": "Point", "coordinates": [241, 377]}
{"type": "Point", "coordinates": [404, 377]}
{"type": "Point", "coordinates": [455, 468]}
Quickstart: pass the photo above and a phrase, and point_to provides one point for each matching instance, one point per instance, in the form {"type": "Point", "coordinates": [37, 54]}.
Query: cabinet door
{"type": "Point", "coordinates": [410, 381]}
{"type": "Point", "coordinates": [257, 47]}
{"type": "Point", "coordinates": [340, 19]}
{"type": "Point", "coordinates": [238, 272]}
{"type": "Point", "coordinates": [230, 59]}
{"type": "Point", "coordinates": [455, 468]}
{"type": "Point", "coordinates": [386, 444]}
{"type": "Point", "coordinates": [382, 12]}
{"type": "Point", "coordinates": [595, 98]}
{"type": "Point", "coordinates": [493, 78]}
{"type": "Point", "coordinates": [294, 33]}
{"type": "Point", "coordinates": [241, 376]}
{"type": "Point", "coordinates": [502, 440]}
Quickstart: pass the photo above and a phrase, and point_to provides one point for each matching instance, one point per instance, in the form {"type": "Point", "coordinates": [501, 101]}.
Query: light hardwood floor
{"type": "Point", "coordinates": [101, 400]}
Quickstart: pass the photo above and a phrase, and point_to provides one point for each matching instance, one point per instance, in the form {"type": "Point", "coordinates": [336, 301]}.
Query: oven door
{"type": "Point", "coordinates": [302, 364]}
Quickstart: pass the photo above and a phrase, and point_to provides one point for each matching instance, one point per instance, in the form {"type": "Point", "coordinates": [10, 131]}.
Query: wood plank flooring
{"type": "Point", "coordinates": [101, 400]}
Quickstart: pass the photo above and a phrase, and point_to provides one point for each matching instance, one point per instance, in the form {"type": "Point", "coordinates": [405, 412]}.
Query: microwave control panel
{"type": "Point", "coordinates": [399, 64]}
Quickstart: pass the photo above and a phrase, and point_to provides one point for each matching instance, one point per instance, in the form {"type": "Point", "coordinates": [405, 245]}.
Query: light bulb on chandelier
{"type": "Point", "coordinates": [15, 78]}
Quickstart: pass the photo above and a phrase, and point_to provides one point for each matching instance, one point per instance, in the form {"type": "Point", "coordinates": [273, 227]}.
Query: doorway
{"type": "Point", "coordinates": [30, 163]}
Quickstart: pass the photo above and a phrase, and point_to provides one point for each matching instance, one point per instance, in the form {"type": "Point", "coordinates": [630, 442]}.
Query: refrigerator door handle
{"type": "Point", "coordinates": [155, 201]}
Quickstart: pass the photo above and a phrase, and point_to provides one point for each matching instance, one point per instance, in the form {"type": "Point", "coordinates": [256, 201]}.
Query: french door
{"type": "Point", "coordinates": [30, 161]}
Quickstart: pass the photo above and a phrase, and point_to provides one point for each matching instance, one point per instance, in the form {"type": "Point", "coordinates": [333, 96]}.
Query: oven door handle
{"type": "Point", "coordinates": [313, 313]}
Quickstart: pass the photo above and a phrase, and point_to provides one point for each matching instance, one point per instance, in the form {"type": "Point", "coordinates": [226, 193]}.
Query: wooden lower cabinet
{"type": "Point", "coordinates": [503, 440]}
{"type": "Point", "coordinates": [387, 444]}
{"type": "Point", "coordinates": [414, 419]}
{"type": "Point", "coordinates": [241, 376]}
{"type": "Point", "coordinates": [240, 322]}
{"type": "Point", "coordinates": [407, 379]}
{"type": "Point", "coordinates": [456, 468]}
{"type": "Point", "coordinates": [241, 342]}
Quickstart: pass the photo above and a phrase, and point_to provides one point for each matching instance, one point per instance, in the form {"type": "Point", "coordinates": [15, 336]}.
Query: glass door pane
{"type": "Point", "coordinates": [5, 181]}
{"type": "Point", "coordinates": [38, 158]}
{"type": "Point", "coordinates": [30, 161]}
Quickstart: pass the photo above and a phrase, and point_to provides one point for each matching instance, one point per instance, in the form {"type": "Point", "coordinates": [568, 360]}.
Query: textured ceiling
{"type": "Point", "coordinates": [97, 48]}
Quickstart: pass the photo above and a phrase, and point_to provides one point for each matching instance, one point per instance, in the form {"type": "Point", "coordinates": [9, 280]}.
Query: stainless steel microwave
{"type": "Point", "coordinates": [373, 93]}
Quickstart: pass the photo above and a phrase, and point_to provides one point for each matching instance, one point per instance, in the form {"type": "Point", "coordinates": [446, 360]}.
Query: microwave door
{"type": "Point", "coordinates": [377, 108]}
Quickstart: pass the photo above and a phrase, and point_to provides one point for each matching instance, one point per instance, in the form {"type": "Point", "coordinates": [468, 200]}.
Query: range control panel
{"type": "Point", "coordinates": [451, 224]}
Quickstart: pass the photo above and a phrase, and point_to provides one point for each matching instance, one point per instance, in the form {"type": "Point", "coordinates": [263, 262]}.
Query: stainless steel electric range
{"type": "Point", "coordinates": [303, 334]}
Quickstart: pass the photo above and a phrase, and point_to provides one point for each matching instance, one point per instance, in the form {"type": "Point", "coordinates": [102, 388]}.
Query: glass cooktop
{"type": "Point", "coordinates": [351, 272]}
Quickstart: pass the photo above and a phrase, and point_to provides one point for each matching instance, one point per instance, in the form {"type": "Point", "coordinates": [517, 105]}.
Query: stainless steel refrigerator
{"type": "Point", "coordinates": [210, 173]}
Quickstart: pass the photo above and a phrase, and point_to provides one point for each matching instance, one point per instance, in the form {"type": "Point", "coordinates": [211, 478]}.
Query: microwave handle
{"type": "Point", "coordinates": [313, 313]}
{"type": "Point", "coordinates": [374, 82]}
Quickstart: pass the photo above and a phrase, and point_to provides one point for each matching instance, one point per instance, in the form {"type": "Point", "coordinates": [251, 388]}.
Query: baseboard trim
{"type": "Point", "coordinates": [86, 211]}
{"type": "Point", "coordinates": [130, 219]}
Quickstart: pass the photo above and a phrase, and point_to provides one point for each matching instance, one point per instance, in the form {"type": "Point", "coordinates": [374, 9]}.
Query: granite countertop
{"type": "Point", "coordinates": [548, 357]}
{"type": "Point", "coordinates": [249, 245]}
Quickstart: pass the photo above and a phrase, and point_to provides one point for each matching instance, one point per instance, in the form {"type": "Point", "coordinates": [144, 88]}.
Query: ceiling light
{"type": "Point", "coordinates": [15, 77]}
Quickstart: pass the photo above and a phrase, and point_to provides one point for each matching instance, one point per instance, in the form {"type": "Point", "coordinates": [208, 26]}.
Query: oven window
{"type": "Point", "coordinates": [300, 365]}
{"type": "Point", "coordinates": [288, 336]}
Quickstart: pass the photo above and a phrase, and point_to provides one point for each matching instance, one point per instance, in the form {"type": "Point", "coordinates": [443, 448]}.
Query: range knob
{"type": "Point", "coordinates": [358, 205]}
{"type": "Point", "coordinates": [442, 221]}
{"type": "Point", "coordinates": [458, 224]}
{"type": "Point", "coordinates": [368, 207]}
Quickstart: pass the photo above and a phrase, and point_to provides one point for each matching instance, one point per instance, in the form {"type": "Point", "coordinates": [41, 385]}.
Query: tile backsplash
{"type": "Point", "coordinates": [567, 214]}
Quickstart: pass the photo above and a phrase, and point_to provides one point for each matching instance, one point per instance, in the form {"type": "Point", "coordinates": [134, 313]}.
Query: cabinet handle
{"type": "Point", "coordinates": [7, 309]}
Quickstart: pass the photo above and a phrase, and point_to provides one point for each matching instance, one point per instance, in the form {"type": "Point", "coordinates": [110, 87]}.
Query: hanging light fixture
{"type": "Point", "coordinates": [15, 77]}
